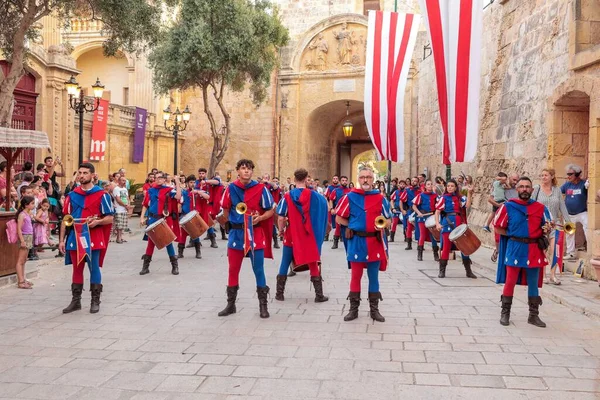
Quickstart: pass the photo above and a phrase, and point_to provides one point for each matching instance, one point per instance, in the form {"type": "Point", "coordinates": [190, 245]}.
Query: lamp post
{"type": "Point", "coordinates": [177, 124]}
{"type": "Point", "coordinates": [78, 103]}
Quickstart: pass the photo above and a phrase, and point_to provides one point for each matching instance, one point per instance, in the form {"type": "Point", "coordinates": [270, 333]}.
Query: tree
{"type": "Point", "coordinates": [219, 44]}
{"type": "Point", "coordinates": [129, 25]}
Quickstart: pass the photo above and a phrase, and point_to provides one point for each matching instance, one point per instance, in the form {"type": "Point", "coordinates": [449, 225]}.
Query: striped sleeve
{"type": "Point", "coordinates": [394, 195]}
{"type": "Point", "coordinates": [463, 201]}
{"type": "Point", "coordinates": [501, 218]}
{"type": "Point", "coordinates": [226, 201]}
{"type": "Point", "coordinates": [417, 200]}
{"type": "Point", "coordinates": [67, 205]}
{"type": "Point", "coordinates": [282, 207]}
{"type": "Point", "coordinates": [439, 204]}
{"type": "Point", "coordinates": [404, 196]}
{"type": "Point", "coordinates": [343, 207]}
{"type": "Point", "coordinates": [385, 209]}
{"type": "Point", "coordinates": [266, 201]}
{"type": "Point", "coordinates": [106, 206]}
{"type": "Point", "coordinates": [547, 216]}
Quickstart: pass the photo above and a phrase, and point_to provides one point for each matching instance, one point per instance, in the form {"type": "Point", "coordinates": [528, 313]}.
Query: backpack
{"type": "Point", "coordinates": [11, 231]}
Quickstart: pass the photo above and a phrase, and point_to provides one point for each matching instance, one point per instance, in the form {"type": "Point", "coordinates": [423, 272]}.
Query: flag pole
{"type": "Point", "coordinates": [389, 164]}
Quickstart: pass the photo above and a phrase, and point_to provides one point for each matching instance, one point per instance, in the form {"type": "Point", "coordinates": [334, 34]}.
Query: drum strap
{"type": "Point", "coordinates": [523, 240]}
{"type": "Point", "coordinates": [365, 234]}
{"type": "Point", "coordinates": [237, 226]}
{"type": "Point", "coordinates": [450, 214]}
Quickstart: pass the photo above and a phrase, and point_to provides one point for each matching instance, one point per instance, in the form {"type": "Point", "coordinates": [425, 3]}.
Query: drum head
{"type": "Point", "coordinates": [187, 217]}
{"type": "Point", "coordinates": [458, 232]}
{"type": "Point", "coordinates": [430, 222]}
{"type": "Point", "coordinates": [411, 219]}
{"type": "Point", "coordinates": [154, 225]}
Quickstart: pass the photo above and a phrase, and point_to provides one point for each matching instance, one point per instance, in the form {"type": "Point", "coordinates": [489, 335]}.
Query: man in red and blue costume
{"type": "Point", "coordinates": [161, 201]}
{"type": "Point", "coordinates": [192, 200]}
{"type": "Point", "coordinates": [334, 197]}
{"type": "Point", "coordinates": [406, 203]}
{"type": "Point", "coordinates": [276, 192]}
{"type": "Point", "coordinates": [93, 211]}
{"type": "Point", "coordinates": [305, 212]}
{"type": "Point", "coordinates": [396, 213]}
{"type": "Point", "coordinates": [249, 233]}
{"type": "Point", "coordinates": [521, 223]}
{"type": "Point", "coordinates": [335, 183]}
{"type": "Point", "coordinates": [424, 207]}
{"type": "Point", "coordinates": [215, 189]}
{"type": "Point", "coordinates": [450, 210]}
{"type": "Point", "coordinates": [367, 244]}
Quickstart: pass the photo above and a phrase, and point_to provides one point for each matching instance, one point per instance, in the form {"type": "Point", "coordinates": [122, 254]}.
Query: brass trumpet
{"type": "Point", "coordinates": [380, 222]}
{"type": "Point", "coordinates": [241, 208]}
{"type": "Point", "coordinates": [69, 220]}
{"type": "Point", "coordinates": [569, 228]}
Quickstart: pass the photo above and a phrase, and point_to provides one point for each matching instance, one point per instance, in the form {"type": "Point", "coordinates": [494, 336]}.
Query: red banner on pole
{"type": "Point", "coordinates": [99, 124]}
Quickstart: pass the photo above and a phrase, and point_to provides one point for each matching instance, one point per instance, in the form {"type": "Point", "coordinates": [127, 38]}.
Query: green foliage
{"type": "Point", "coordinates": [214, 42]}
{"type": "Point", "coordinates": [134, 187]}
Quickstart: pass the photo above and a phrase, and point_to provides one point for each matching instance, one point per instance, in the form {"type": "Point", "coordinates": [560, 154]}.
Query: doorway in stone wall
{"type": "Point", "coordinates": [569, 143]}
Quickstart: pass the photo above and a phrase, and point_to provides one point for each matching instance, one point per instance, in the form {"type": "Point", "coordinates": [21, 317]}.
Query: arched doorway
{"type": "Point", "coordinates": [112, 71]}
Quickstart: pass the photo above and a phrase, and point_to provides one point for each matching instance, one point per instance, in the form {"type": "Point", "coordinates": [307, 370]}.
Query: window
{"type": "Point", "coordinates": [125, 96]}
{"type": "Point", "coordinates": [370, 5]}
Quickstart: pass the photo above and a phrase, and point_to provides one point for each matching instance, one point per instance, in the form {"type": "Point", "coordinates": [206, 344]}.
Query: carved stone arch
{"type": "Point", "coordinates": [83, 48]}
{"type": "Point", "coordinates": [319, 27]}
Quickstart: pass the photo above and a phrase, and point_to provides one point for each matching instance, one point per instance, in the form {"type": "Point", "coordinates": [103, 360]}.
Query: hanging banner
{"type": "Point", "coordinates": [99, 124]}
{"type": "Point", "coordinates": [391, 40]}
{"type": "Point", "coordinates": [139, 135]}
{"type": "Point", "coordinates": [455, 29]}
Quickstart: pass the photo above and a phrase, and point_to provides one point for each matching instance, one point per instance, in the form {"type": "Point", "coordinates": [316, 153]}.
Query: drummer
{"type": "Point", "coordinates": [395, 200]}
{"type": "Point", "coordinates": [334, 197]}
{"type": "Point", "coordinates": [276, 192]}
{"type": "Point", "coordinates": [406, 207]}
{"type": "Point", "coordinates": [303, 219]}
{"type": "Point", "coordinates": [335, 183]}
{"type": "Point", "coordinates": [424, 207]}
{"type": "Point", "coordinates": [192, 200]}
{"type": "Point", "coordinates": [156, 202]}
{"type": "Point", "coordinates": [215, 189]}
{"type": "Point", "coordinates": [450, 209]}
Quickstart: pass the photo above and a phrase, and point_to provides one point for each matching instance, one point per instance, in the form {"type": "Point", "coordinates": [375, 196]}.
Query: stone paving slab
{"type": "Point", "coordinates": [158, 337]}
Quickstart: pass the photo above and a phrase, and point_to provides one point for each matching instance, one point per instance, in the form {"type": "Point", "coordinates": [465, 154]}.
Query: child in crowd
{"type": "Point", "coordinates": [500, 183]}
{"type": "Point", "coordinates": [40, 228]}
{"type": "Point", "coordinates": [25, 235]}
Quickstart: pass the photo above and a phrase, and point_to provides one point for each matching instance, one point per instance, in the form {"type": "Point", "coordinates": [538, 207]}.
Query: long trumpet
{"type": "Point", "coordinates": [569, 228]}
{"type": "Point", "coordinates": [69, 220]}
{"type": "Point", "coordinates": [380, 222]}
{"type": "Point", "coordinates": [241, 208]}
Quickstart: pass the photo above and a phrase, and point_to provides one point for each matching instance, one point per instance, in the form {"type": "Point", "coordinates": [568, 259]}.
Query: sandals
{"type": "Point", "coordinates": [555, 281]}
{"type": "Point", "coordinates": [494, 257]}
{"type": "Point", "coordinates": [24, 285]}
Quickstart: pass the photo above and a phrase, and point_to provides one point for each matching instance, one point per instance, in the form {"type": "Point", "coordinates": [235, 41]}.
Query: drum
{"type": "Point", "coordinates": [193, 224]}
{"type": "Point", "coordinates": [411, 219]}
{"type": "Point", "coordinates": [430, 225]}
{"type": "Point", "coordinates": [160, 234]}
{"type": "Point", "coordinates": [465, 240]}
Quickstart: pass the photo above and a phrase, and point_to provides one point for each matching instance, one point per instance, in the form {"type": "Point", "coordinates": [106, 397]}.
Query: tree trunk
{"type": "Point", "coordinates": [220, 141]}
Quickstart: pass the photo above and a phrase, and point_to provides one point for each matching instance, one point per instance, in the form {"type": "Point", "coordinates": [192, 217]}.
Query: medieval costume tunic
{"type": "Point", "coordinates": [191, 201]}
{"type": "Point", "coordinates": [215, 192]}
{"type": "Point", "coordinates": [407, 198]}
{"type": "Point", "coordinates": [425, 203]}
{"type": "Point", "coordinates": [335, 196]}
{"type": "Point", "coordinates": [367, 246]}
{"type": "Point", "coordinates": [85, 243]}
{"type": "Point", "coordinates": [306, 211]}
{"type": "Point", "coordinates": [521, 261]}
{"type": "Point", "coordinates": [395, 199]}
{"type": "Point", "coordinates": [247, 240]}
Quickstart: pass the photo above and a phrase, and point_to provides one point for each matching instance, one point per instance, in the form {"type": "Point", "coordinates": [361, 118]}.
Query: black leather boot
{"type": "Point", "coordinates": [223, 236]}
{"type": "Point", "coordinates": [354, 298]}
{"type": "Point", "coordinates": [336, 240]}
{"type": "Point", "coordinates": [231, 296]}
{"type": "Point", "coordinates": [436, 253]}
{"type": "Point", "coordinates": [420, 253]}
{"type": "Point", "coordinates": [408, 244]}
{"type": "Point", "coordinates": [190, 244]}
{"type": "Point", "coordinates": [318, 284]}
{"type": "Point", "coordinates": [213, 240]}
{"type": "Point", "coordinates": [146, 265]}
{"type": "Point", "coordinates": [281, 280]}
{"type": "Point", "coordinates": [467, 264]}
{"type": "Point", "coordinates": [180, 249]}
{"type": "Point", "coordinates": [95, 289]}
{"type": "Point", "coordinates": [275, 241]}
{"type": "Point", "coordinates": [292, 272]}
{"type": "Point", "coordinates": [198, 247]}
{"type": "Point", "coordinates": [505, 313]}
{"type": "Point", "coordinates": [392, 236]}
{"type": "Point", "coordinates": [443, 265]}
{"type": "Point", "coordinates": [374, 298]}
{"type": "Point", "coordinates": [76, 290]}
{"type": "Point", "coordinates": [174, 265]}
{"type": "Point", "coordinates": [326, 238]}
{"type": "Point", "coordinates": [262, 293]}
{"type": "Point", "coordinates": [534, 312]}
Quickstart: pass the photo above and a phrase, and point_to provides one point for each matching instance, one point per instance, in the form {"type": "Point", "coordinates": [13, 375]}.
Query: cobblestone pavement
{"type": "Point", "coordinates": [158, 337]}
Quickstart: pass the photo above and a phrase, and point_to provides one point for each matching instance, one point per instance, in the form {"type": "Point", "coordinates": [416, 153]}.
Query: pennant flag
{"type": "Point", "coordinates": [248, 234]}
{"type": "Point", "coordinates": [455, 30]}
{"type": "Point", "coordinates": [84, 246]}
{"type": "Point", "coordinates": [390, 43]}
{"type": "Point", "coordinates": [559, 242]}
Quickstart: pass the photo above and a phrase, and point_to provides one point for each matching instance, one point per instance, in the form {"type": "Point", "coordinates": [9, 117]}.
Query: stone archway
{"type": "Point", "coordinates": [574, 137]}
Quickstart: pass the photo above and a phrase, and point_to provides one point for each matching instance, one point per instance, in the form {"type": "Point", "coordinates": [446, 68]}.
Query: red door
{"type": "Point", "coordinates": [24, 111]}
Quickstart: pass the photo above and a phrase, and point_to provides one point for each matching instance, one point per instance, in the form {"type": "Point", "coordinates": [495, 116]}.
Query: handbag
{"type": "Point", "coordinates": [11, 231]}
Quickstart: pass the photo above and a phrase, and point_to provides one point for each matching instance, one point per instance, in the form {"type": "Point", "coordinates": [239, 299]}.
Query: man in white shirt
{"type": "Point", "coordinates": [121, 196]}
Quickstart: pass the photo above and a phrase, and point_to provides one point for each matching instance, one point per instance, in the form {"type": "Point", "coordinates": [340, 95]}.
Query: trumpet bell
{"type": "Point", "coordinates": [241, 208]}
{"type": "Point", "coordinates": [68, 220]}
{"type": "Point", "coordinates": [570, 228]}
{"type": "Point", "coordinates": [380, 222]}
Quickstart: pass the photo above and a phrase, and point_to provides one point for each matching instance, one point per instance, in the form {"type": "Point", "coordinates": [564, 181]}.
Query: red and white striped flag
{"type": "Point", "coordinates": [455, 28]}
{"type": "Point", "coordinates": [390, 44]}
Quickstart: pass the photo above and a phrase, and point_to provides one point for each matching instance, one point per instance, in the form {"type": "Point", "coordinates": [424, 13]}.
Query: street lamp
{"type": "Point", "coordinates": [78, 103]}
{"type": "Point", "coordinates": [176, 122]}
{"type": "Point", "coordinates": [347, 127]}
